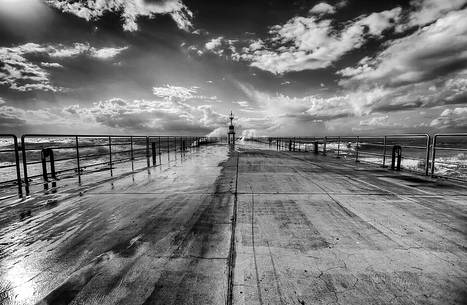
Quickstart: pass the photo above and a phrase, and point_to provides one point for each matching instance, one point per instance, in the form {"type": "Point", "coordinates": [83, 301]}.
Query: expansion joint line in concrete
{"type": "Point", "coordinates": [232, 256]}
{"type": "Point", "coordinates": [258, 286]}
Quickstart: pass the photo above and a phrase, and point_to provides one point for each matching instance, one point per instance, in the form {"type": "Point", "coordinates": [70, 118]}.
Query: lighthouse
{"type": "Point", "coordinates": [231, 133]}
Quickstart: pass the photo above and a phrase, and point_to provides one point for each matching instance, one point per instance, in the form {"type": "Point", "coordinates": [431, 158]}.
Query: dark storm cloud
{"type": "Point", "coordinates": [431, 52]}
{"type": "Point", "coordinates": [23, 68]}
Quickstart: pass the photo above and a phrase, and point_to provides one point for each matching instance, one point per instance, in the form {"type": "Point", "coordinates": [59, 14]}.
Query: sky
{"type": "Point", "coordinates": [285, 68]}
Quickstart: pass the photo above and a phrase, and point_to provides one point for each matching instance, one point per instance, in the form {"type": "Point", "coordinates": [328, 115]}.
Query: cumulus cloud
{"type": "Point", "coordinates": [427, 11]}
{"type": "Point", "coordinates": [180, 93]}
{"type": "Point", "coordinates": [430, 52]}
{"type": "Point", "coordinates": [175, 92]}
{"type": "Point", "coordinates": [22, 74]}
{"type": "Point", "coordinates": [221, 46]}
{"type": "Point", "coordinates": [18, 73]}
{"type": "Point", "coordinates": [214, 43]}
{"type": "Point", "coordinates": [316, 108]}
{"type": "Point", "coordinates": [14, 119]}
{"type": "Point", "coordinates": [130, 10]}
{"type": "Point", "coordinates": [152, 116]}
{"type": "Point", "coordinates": [375, 121]}
{"type": "Point", "coordinates": [51, 65]}
{"type": "Point", "coordinates": [323, 8]}
{"type": "Point", "coordinates": [451, 118]}
{"type": "Point", "coordinates": [119, 116]}
{"type": "Point", "coordinates": [307, 43]}
{"type": "Point", "coordinates": [360, 102]}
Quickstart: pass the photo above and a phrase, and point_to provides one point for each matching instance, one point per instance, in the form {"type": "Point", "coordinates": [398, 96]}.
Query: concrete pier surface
{"type": "Point", "coordinates": [245, 226]}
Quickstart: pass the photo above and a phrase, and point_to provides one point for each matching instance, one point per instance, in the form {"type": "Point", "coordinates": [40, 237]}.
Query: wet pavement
{"type": "Point", "coordinates": [306, 230]}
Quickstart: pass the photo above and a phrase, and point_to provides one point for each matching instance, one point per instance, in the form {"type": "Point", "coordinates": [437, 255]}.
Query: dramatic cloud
{"type": "Point", "coordinates": [456, 118]}
{"type": "Point", "coordinates": [322, 8]}
{"type": "Point", "coordinates": [359, 103]}
{"type": "Point", "coordinates": [307, 43]}
{"type": "Point", "coordinates": [175, 92]}
{"type": "Point", "coordinates": [151, 116]}
{"type": "Point", "coordinates": [219, 46]}
{"type": "Point", "coordinates": [361, 67]}
{"type": "Point", "coordinates": [433, 51]}
{"type": "Point", "coordinates": [19, 73]}
{"type": "Point", "coordinates": [214, 43]}
{"type": "Point", "coordinates": [130, 10]}
{"type": "Point", "coordinates": [375, 121]}
{"type": "Point", "coordinates": [180, 93]}
{"type": "Point", "coordinates": [427, 11]}
{"type": "Point", "coordinates": [14, 119]}
{"type": "Point", "coordinates": [51, 65]}
{"type": "Point", "coordinates": [118, 116]}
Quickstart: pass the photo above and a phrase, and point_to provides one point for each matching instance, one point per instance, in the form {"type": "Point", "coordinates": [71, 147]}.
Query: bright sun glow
{"type": "Point", "coordinates": [17, 9]}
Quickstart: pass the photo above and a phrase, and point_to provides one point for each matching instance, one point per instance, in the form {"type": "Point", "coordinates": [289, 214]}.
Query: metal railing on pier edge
{"type": "Point", "coordinates": [441, 155]}
{"type": "Point", "coordinates": [43, 159]}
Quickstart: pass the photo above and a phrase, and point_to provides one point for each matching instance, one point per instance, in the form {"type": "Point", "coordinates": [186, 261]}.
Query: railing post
{"type": "Point", "coordinates": [433, 154]}
{"type": "Point", "coordinates": [132, 157]}
{"type": "Point", "coordinates": [25, 166]}
{"type": "Point", "coordinates": [324, 146]}
{"type": "Point", "coordinates": [384, 151]}
{"type": "Point", "coordinates": [168, 149]}
{"type": "Point", "coordinates": [110, 156]}
{"type": "Point", "coordinates": [427, 157]}
{"type": "Point", "coordinates": [181, 146]}
{"type": "Point", "coordinates": [48, 152]}
{"type": "Point", "coordinates": [78, 167]}
{"type": "Point", "coordinates": [356, 150]}
{"type": "Point", "coordinates": [147, 153]}
{"type": "Point", "coordinates": [18, 170]}
{"type": "Point", "coordinates": [154, 155]}
{"type": "Point", "coordinates": [159, 148]}
{"type": "Point", "coordinates": [338, 146]}
{"type": "Point", "coordinates": [396, 158]}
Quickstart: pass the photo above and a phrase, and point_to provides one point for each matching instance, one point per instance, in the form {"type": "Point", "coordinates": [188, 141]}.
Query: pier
{"type": "Point", "coordinates": [258, 223]}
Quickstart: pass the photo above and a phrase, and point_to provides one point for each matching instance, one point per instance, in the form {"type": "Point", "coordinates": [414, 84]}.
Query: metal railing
{"type": "Point", "coordinates": [420, 153]}
{"type": "Point", "coordinates": [43, 159]}
{"type": "Point", "coordinates": [443, 161]}
{"type": "Point", "coordinates": [10, 171]}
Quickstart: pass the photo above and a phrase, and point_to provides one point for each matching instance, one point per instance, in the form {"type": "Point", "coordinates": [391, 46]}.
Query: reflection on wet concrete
{"type": "Point", "coordinates": [108, 239]}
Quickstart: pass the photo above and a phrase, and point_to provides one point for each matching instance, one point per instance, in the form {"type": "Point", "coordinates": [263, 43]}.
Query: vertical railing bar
{"type": "Point", "coordinates": [356, 150]}
{"type": "Point", "coordinates": [427, 155]}
{"type": "Point", "coordinates": [110, 156]}
{"type": "Point", "coordinates": [168, 149]}
{"type": "Point", "coordinates": [132, 157]}
{"type": "Point", "coordinates": [338, 146]}
{"type": "Point", "coordinates": [154, 153]}
{"type": "Point", "coordinates": [159, 149]}
{"type": "Point", "coordinates": [147, 153]}
{"type": "Point", "coordinates": [78, 167]}
{"type": "Point", "coordinates": [324, 145]}
{"type": "Point", "coordinates": [384, 150]}
{"type": "Point", "coordinates": [18, 169]}
{"type": "Point", "coordinates": [433, 153]}
{"type": "Point", "coordinates": [25, 165]}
